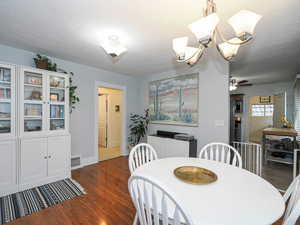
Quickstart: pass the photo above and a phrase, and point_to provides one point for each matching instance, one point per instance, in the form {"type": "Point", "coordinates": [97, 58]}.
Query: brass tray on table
{"type": "Point", "coordinates": [195, 175]}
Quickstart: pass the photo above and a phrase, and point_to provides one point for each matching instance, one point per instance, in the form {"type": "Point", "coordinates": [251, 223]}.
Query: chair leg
{"type": "Point", "coordinates": [135, 221]}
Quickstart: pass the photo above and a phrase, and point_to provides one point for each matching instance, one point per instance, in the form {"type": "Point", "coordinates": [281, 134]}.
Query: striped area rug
{"type": "Point", "coordinates": [29, 201]}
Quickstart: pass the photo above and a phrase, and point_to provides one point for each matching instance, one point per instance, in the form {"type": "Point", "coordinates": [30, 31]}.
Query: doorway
{"type": "Point", "coordinates": [110, 116]}
{"type": "Point", "coordinates": [266, 112]}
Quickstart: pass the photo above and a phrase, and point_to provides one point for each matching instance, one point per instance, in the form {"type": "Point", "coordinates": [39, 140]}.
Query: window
{"type": "Point", "coordinates": [262, 110]}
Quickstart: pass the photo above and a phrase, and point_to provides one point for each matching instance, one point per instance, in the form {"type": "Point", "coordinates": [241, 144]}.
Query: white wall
{"type": "Point", "coordinates": [82, 119]}
{"type": "Point", "coordinates": [265, 90]}
{"type": "Point", "coordinates": [213, 99]}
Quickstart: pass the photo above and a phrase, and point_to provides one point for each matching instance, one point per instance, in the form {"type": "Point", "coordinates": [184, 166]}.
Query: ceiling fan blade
{"type": "Point", "coordinates": [242, 81]}
{"type": "Point", "coordinates": [244, 85]}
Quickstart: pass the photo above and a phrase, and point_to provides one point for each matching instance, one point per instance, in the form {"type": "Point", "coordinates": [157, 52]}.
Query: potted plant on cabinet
{"type": "Point", "coordinates": [138, 128]}
{"type": "Point", "coordinates": [43, 62]}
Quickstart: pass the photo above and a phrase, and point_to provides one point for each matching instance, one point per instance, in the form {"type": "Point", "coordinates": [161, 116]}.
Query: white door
{"type": "Point", "coordinates": [33, 157]}
{"type": "Point", "coordinates": [115, 120]}
{"type": "Point", "coordinates": [102, 120]}
{"type": "Point", "coordinates": [8, 174]}
{"type": "Point", "coordinates": [58, 155]}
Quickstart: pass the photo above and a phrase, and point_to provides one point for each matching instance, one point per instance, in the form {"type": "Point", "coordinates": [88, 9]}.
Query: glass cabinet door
{"type": "Point", "coordinates": [33, 101]}
{"type": "Point", "coordinates": [57, 102]}
{"type": "Point", "coordinates": [5, 100]}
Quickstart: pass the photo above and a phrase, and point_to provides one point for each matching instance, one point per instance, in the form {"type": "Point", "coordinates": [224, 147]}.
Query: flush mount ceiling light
{"type": "Point", "coordinates": [113, 46]}
{"type": "Point", "coordinates": [206, 31]}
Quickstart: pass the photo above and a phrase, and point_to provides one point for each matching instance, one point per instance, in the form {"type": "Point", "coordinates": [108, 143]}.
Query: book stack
{"type": "Point", "coordinates": [57, 111]}
{"type": "Point", "coordinates": [4, 93]}
{"type": "Point", "coordinates": [4, 75]}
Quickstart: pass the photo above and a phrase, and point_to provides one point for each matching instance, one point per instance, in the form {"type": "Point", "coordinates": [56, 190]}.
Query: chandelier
{"type": "Point", "coordinates": [207, 31]}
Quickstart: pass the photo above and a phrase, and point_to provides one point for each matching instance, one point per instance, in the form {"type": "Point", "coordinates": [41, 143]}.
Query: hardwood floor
{"type": "Point", "coordinates": [108, 153]}
{"type": "Point", "coordinates": [107, 202]}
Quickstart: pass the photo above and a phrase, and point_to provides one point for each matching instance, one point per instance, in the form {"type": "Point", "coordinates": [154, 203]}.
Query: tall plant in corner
{"type": "Point", "coordinates": [72, 93]}
{"type": "Point", "coordinates": [138, 127]}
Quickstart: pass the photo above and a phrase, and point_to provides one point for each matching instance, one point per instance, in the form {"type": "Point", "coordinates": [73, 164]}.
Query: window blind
{"type": "Point", "coordinates": [297, 108]}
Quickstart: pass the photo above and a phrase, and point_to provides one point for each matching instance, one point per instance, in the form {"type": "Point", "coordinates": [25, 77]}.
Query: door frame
{"type": "Point", "coordinates": [107, 119]}
{"type": "Point", "coordinates": [100, 84]}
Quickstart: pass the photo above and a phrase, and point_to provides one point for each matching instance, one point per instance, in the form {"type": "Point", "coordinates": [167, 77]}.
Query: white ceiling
{"type": "Point", "coordinates": [72, 30]}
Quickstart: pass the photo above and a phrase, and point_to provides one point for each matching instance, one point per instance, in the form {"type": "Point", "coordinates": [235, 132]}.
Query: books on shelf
{"type": "Point", "coordinates": [33, 110]}
{"type": "Point", "coordinates": [5, 75]}
{"type": "Point", "coordinates": [5, 93]}
{"type": "Point", "coordinates": [57, 111]}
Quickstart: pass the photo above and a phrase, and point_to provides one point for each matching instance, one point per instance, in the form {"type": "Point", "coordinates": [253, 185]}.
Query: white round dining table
{"type": "Point", "coordinates": [238, 197]}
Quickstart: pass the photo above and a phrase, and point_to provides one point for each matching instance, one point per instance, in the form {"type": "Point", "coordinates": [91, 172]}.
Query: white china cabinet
{"type": "Point", "coordinates": [35, 141]}
{"type": "Point", "coordinates": [8, 141]}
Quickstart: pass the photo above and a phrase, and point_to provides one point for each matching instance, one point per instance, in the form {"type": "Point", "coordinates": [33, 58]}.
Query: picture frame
{"type": "Point", "coordinates": [265, 99]}
{"type": "Point", "coordinates": [175, 100]}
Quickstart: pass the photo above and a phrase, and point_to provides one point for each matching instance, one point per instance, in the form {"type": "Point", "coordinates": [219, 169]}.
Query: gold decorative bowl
{"type": "Point", "coordinates": [195, 175]}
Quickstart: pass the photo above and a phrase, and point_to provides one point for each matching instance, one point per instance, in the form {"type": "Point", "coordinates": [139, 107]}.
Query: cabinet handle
{"type": "Point", "coordinates": [49, 156]}
{"type": "Point", "coordinates": [45, 157]}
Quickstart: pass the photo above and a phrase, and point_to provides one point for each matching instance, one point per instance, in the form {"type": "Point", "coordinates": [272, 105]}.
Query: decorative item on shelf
{"type": "Point", "coordinates": [207, 31]}
{"type": "Point", "coordinates": [195, 175]}
{"type": "Point", "coordinates": [43, 62]}
{"type": "Point", "coordinates": [54, 97]}
{"type": "Point", "coordinates": [36, 95]}
{"type": "Point", "coordinates": [33, 79]}
{"type": "Point", "coordinates": [285, 122]}
{"type": "Point", "coordinates": [55, 83]}
{"type": "Point", "coordinates": [138, 127]}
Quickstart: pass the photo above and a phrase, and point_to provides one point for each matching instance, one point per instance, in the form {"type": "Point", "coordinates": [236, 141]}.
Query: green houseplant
{"type": "Point", "coordinates": [74, 99]}
{"type": "Point", "coordinates": [43, 62]}
{"type": "Point", "coordinates": [138, 127]}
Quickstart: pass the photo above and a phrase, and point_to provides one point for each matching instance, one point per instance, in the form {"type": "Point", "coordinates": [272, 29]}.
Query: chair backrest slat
{"type": "Point", "coordinates": [163, 209]}
{"type": "Point", "coordinates": [251, 154]}
{"type": "Point", "coordinates": [292, 195]}
{"type": "Point", "coordinates": [221, 152]}
{"type": "Point", "coordinates": [141, 154]}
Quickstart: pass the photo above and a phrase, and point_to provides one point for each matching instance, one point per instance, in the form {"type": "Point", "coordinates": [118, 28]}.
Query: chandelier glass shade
{"type": "Point", "coordinates": [206, 31]}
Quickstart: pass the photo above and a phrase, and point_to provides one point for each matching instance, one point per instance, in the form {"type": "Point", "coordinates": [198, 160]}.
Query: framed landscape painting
{"type": "Point", "coordinates": [174, 100]}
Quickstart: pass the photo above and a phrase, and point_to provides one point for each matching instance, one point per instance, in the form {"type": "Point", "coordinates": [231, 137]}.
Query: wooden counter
{"type": "Point", "coordinates": [280, 132]}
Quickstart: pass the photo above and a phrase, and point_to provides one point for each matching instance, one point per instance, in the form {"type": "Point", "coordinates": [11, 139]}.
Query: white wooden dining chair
{"type": "Point", "coordinates": [154, 205]}
{"type": "Point", "coordinates": [251, 154]}
{"type": "Point", "coordinates": [141, 154]}
{"type": "Point", "coordinates": [221, 152]}
{"type": "Point", "coordinates": [292, 211]}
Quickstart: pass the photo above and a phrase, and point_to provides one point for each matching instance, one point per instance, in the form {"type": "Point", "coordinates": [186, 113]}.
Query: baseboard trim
{"type": "Point", "coordinates": [88, 161]}
{"type": "Point", "coordinates": [76, 167]}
